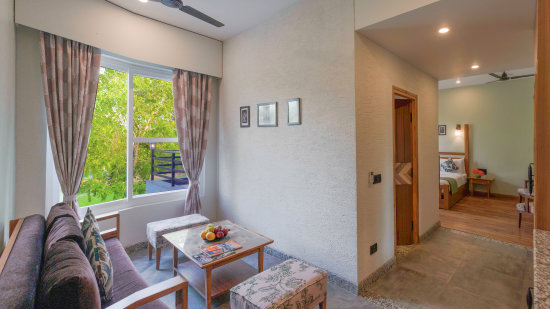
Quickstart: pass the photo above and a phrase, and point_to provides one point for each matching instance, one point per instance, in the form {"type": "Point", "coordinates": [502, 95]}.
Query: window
{"type": "Point", "coordinates": [133, 136]}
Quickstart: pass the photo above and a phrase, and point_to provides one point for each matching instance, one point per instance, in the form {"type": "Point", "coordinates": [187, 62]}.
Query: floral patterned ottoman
{"type": "Point", "coordinates": [292, 284]}
{"type": "Point", "coordinates": [156, 229]}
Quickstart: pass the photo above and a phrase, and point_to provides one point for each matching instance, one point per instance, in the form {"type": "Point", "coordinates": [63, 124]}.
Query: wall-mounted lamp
{"type": "Point", "coordinates": [458, 130]}
{"type": "Point", "coordinates": [153, 146]}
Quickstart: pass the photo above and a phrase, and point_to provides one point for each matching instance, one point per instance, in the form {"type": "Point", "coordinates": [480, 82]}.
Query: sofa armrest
{"type": "Point", "coordinates": [110, 233]}
{"type": "Point", "coordinates": [147, 295]}
{"type": "Point", "coordinates": [15, 227]}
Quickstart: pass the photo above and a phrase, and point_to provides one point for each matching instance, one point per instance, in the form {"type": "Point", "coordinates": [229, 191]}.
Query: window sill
{"type": "Point", "coordinates": [141, 200]}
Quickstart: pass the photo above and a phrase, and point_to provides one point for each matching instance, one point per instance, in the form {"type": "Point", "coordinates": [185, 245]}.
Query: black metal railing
{"type": "Point", "coordinates": [168, 163]}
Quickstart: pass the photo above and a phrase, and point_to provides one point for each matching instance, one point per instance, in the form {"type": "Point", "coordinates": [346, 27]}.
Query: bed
{"type": "Point", "coordinates": [453, 185]}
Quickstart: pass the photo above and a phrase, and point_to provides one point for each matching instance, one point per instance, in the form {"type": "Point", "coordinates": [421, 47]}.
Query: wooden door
{"type": "Point", "coordinates": [403, 170]}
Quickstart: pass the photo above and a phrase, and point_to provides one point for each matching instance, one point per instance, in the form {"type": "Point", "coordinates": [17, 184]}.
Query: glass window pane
{"type": "Point", "coordinates": [158, 168]}
{"type": "Point", "coordinates": [104, 176]}
{"type": "Point", "coordinates": [153, 108]}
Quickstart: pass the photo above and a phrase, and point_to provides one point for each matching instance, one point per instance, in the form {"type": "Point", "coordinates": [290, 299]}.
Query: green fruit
{"type": "Point", "coordinates": [210, 229]}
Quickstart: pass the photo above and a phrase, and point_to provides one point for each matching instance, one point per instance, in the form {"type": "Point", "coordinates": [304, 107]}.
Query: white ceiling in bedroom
{"type": "Point", "coordinates": [496, 34]}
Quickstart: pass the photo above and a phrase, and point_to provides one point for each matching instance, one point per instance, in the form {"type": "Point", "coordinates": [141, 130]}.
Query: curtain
{"type": "Point", "coordinates": [192, 100]}
{"type": "Point", "coordinates": [70, 73]}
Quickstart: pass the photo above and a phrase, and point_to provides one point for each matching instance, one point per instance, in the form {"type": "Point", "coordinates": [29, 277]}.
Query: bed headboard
{"type": "Point", "coordinates": [465, 154]}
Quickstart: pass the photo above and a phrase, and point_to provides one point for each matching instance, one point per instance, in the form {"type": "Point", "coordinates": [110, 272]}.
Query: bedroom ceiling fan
{"type": "Point", "coordinates": [178, 4]}
{"type": "Point", "coordinates": [504, 76]}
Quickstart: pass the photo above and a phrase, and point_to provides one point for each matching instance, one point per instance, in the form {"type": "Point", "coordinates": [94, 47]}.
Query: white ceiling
{"type": "Point", "coordinates": [496, 34]}
{"type": "Point", "coordinates": [481, 79]}
{"type": "Point", "coordinates": [237, 15]}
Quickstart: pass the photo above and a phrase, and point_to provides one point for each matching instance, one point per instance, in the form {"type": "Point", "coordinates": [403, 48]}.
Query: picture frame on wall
{"type": "Point", "coordinates": [244, 114]}
{"type": "Point", "coordinates": [442, 129]}
{"type": "Point", "coordinates": [267, 114]}
{"type": "Point", "coordinates": [294, 111]}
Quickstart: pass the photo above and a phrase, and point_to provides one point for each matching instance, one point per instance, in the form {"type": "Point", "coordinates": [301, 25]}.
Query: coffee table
{"type": "Point", "coordinates": [219, 276]}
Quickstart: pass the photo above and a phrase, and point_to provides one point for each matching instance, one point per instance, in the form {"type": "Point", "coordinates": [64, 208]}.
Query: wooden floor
{"type": "Point", "coordinates": [494, 218]}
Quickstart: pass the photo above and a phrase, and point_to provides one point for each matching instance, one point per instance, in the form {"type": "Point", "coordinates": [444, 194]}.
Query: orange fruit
{"type": "Point", "coordinates": [203, 234]}
{"type": "Point", "coordinates": [210, 236]}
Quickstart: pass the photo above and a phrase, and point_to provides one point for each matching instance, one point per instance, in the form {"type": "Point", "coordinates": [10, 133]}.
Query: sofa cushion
{"type": "Point", "coordinates": [67, 279]}
{"type": "Point", "coordinates": [60, 210]}
{"type": "Point", "coordinates": [19, 280]}
{"type": "Point", "coordinates": [98, 256]}
{"type": "Point", "coordinates": [64, 228]}
{"type": "Point", "coordinates": [127, 280]}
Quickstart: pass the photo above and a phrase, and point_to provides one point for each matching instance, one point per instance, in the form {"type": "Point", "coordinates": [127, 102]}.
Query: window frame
{"type": "Point", "coordinates": [133, 68]}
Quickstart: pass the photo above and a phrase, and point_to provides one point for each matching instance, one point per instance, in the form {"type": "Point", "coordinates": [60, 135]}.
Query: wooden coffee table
{"type": "Point", "coordinates": [219, 276]}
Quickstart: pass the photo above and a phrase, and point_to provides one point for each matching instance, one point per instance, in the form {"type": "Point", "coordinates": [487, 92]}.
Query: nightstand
{"type": "Point", "coordinates": [484, 181]}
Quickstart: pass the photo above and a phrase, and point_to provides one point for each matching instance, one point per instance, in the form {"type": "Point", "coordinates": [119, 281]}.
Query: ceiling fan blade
{"type": "Point", "coordinates": [495, 75]}
{"type": "Point", "coordinates": [200, 15]}
{"type": "Point", "coordinates": [522, 76]}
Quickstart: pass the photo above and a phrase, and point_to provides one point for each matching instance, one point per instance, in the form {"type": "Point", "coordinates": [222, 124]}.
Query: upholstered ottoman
{"type": "Point", "coordinates": [291, 284]}
{"type": "Point", "coordinates": [156, 229]}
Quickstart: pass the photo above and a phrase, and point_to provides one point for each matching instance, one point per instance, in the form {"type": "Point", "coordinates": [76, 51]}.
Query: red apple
{"type": "Point", "coordinates": [220, 234]}
{"type": "Point", "coordinates": [224, 231]}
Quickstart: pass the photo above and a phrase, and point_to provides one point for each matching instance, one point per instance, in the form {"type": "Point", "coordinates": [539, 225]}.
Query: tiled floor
{"type": "Point", "coordinates": [457, 270]}
{"type": "Point", "coordinates": [448, 270]}
{"type": "Point", "coordinates": [337, 297]}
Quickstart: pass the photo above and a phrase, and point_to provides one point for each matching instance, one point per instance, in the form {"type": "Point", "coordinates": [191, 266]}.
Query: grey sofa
{"type": "Point", "coordinates": [43, 266]}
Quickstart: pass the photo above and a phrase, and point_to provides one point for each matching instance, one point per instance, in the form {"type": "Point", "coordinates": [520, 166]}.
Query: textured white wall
{"type": "Point", "coordinates": [501, 124]}
{"type": "Point", "coordinates": [104, 25]}
{"type": "Point", "coordinates": [7, 117]}
{"type": "Point", "coordinates": [376, 71]}
{"type": "Point", "coordinates": [295, 184]}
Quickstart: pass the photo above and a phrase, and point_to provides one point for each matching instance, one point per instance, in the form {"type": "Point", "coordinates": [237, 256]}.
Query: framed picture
{"type": "Point", "coordinates": [267, 114]}
{"type": "Point", "coordinates": [244, 114]}
{"type": "Point", "coordinates": [294, 108]}
{"type": "Point", "coordinates": [442, 129]}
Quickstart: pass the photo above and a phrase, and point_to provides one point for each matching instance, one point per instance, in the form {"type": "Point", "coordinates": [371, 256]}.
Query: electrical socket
{"type": "Point", "coordinates": [373, 248]}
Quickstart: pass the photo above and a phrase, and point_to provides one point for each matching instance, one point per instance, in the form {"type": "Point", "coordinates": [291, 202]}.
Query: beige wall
{"type": "Point", "coordinates": [31, 127]}
{"type": "Point", "coordinates": [368, 12]}
{"type": "Point", "coordinates": [295, 184]}
{"type": "Point", "coordinates": [376, 71]}
{"type": "Point", "coordinates": [104, 25]}
{"type": "Point", "coordinates": [501, 121]}
{"type": "Point", "coordinates": [7, 116]}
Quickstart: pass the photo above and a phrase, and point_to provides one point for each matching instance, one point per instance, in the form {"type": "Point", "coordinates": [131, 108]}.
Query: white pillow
{"type": "Point", "coordinates": [460, 164]}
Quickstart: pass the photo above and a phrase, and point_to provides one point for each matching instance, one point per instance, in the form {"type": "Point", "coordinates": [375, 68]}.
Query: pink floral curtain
{"type": "Point", "coordinates": [70, 73]}
{"type": "Point", "coordinates": [192, 100]}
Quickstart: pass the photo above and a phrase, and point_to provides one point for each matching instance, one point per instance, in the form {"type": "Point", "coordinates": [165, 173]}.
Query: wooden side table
{"type": "Point", "coordinates": [484, 181]}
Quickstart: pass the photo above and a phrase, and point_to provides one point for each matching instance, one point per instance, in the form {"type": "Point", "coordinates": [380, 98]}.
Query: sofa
{"type": "Point", "coordinates": [43, 266]}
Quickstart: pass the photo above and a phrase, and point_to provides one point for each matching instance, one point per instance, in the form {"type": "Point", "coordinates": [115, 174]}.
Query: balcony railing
{"type": "Point", "coordinates": [168, 164]}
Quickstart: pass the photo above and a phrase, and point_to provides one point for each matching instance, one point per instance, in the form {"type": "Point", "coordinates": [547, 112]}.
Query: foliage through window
{"type": "Point", "coordinates": [153, 133]}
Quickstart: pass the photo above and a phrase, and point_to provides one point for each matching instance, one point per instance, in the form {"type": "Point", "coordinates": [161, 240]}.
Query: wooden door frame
{"type": "Point", "coordinates": [414, 109]}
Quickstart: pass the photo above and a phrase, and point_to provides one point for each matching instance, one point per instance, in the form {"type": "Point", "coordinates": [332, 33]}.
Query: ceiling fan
{"type": "Point", "coordinates": [178, 4]}
{"type": "Point", "coordinates": [504, 76]}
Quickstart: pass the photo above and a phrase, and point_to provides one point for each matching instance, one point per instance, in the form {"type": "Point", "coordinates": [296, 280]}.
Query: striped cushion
{"type": "Point", "coordinates": [98, 256]}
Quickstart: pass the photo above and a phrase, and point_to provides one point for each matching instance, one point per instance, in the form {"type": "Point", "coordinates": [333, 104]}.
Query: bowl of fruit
{"type": "Point", "coordinates": [214, 233]}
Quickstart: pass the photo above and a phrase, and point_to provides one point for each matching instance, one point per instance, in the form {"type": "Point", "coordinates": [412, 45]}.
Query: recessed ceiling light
{"type": "Point", "coordinates": [443, 30]}
{"type": "Point", "coordinates": [144, 1]}
{"type": "Point", "coordinates": [475, 67]}
{"type": "Point", "coordinates": [458, 81]}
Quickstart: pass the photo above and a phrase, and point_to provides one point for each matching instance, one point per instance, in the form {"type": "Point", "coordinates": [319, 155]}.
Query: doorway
{"type": "Point", "coordinates": [405, 162]}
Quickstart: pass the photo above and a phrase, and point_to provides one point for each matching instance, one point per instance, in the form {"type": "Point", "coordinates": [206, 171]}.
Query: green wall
{"type": "Point", "coordinates": [501, 119]}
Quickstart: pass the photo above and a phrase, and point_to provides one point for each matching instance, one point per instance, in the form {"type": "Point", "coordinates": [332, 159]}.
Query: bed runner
{"type": "Point", "coordinates": [452, 183]}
